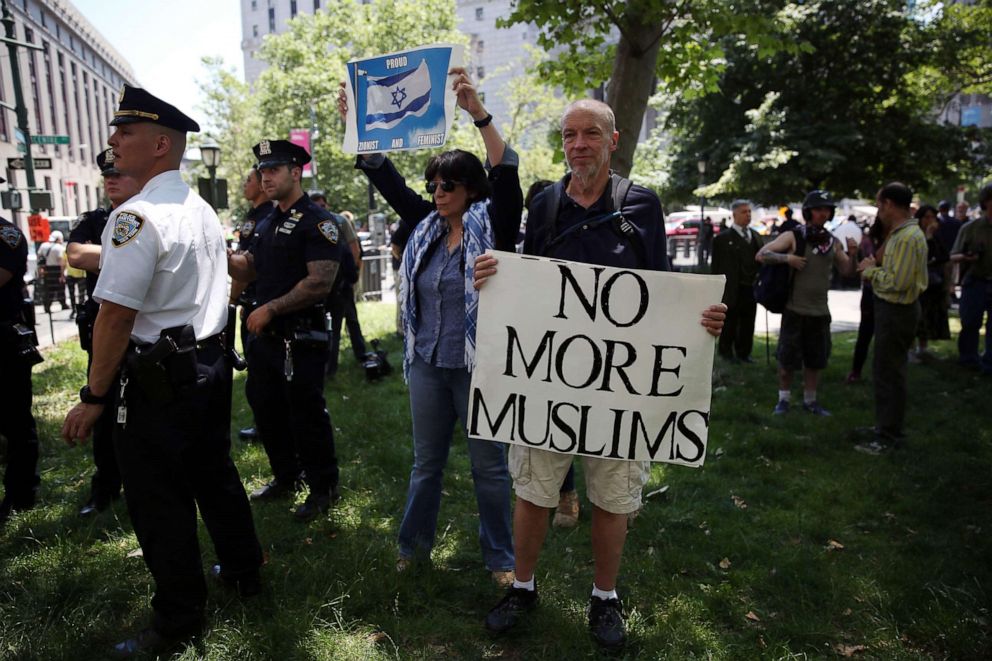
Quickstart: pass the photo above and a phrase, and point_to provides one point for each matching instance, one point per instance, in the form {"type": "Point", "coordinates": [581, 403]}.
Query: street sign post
{"type": "Point", "coordinates": [49, 139]}
{"type": "Point", "coordinates": [39, 163]}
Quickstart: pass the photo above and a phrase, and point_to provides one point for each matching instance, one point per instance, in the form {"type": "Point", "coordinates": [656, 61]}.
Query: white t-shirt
{"type": "Point", "coordinates": [164, 255]}
{"type": "Point", "coordinates": [52, 253]}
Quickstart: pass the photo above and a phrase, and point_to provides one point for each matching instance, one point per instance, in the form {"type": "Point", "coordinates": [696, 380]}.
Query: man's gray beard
{"type": "Point", "coordinates": [587, 173]}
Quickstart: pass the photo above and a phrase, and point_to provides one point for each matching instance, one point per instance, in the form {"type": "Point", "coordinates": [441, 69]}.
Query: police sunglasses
{"type": "Point", "coordinates": [447, 186]}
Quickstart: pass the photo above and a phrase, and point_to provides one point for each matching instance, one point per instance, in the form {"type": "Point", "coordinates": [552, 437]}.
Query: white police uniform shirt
{"type": "Point", "coordinates": [164, 255]}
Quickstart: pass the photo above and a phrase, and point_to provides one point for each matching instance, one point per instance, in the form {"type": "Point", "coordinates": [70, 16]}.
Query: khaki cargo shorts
{"type": "Point", "coordinates": [613, 485]}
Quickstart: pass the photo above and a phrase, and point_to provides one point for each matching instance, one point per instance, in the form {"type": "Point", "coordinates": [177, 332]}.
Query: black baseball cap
{"type": "Point", "coordinates": [138, 105]}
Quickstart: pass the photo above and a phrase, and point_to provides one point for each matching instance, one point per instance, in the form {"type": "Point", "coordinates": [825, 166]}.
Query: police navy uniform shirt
{"type": "Point", "coordinates": [602, 245]}
{"type": "Point", "coordinates": [14, 259]}
{"type": "Point", "coordinates": [255, 222]}
{"type": "Point", "coordinates": [164, 255]}
{"type": "Point", "coordinates": [88, 229]}
{"type": "Point", "coordinates": [302, 233]}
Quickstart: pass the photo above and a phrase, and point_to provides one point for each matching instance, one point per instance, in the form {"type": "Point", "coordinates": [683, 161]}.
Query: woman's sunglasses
{"type": "Point", "coordinates": [446, 185]}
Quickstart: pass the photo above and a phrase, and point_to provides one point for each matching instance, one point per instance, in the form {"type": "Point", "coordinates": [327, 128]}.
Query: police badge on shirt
{"type": "Point", "coordinates": [126, 227]}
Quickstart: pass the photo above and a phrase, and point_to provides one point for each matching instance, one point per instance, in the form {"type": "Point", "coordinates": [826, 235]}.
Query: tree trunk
{"type": "Point", "coordinates": [631, 84]}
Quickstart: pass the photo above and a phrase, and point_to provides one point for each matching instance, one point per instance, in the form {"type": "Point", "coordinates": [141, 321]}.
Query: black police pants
{"type": "Point", "coordinates": [18, 427]}
{"type": "Point", "coordinates": [738, 328]}
{"type": "Point", "coordinates": [106, 482]}
{"type": "Point", "coordinates": [342, 308]}
{"type": "Point", "coordinates": [175, 458]}
{"type": "Point", "coordinates": [291, 416]}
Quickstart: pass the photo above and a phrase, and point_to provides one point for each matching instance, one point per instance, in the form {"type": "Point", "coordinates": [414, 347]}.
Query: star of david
{"type": "Point", "coordinates": [399, 95]}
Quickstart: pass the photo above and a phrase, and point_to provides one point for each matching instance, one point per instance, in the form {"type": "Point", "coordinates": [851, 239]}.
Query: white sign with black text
{"type": "Point", "coordinates": [593, 360]}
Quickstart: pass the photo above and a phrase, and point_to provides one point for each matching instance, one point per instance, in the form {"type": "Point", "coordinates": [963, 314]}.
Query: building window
{"type": "Point", "coordinates": [254, 5]}
{"type": "Point", "coordinates": [50, 88]}
{"type": "Point", "coordinates": [254, 30]}
{"type": "Point", "coordinates": [90, 117]}
{"type": "Point", "coordinates": [272, 20]}
{"type": "Point", "coordinates": [4, 134]}
{"type": "Point", "coordinates": [292, 8]}
{"type": "Point", "coordinates": [480, 46]}
{"type": "Point", "coordinates": [33, 74]}
{"type": "Point", "coordinates": [480, 72]}
{"type": "Point", "coordinates": [65, 101]}
{"type": "Point", "coordinates": [316, 5]}
{"type": "Point", "coordinates": [79, 115]}
{"type": "Point", "coordinates": [478, 13]}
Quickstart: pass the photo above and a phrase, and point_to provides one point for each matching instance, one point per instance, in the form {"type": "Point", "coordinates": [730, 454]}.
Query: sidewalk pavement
{"type": "Point", "coordinates": [60, 329]}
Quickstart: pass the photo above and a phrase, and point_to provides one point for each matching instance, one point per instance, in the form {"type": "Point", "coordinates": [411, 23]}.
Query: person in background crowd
{"type": "Point", "coordinates": [972, 250]}
{"type": "Point", "coordinates": [243, 293]}
{"type": "Point", "coordinates": [17, 424]}
{"type": "Point", "coordinates": [75, 282]}
{"type": "Point", "coordinates": [733, 257]}
{"type": "Point", "coordinates": [804, 341]}
{"type": "Point", "coordinates": [871, 242]}
{"type": "Point", "coordinates": [341, 302]}
{"type": "Point", "coordinates": [897, 285]}
{"type": "Point", "coordinates": [84, 251]}
{"type": "Point", "coordinates": [786, 225]}
{"type": "Point", "coordinates": [469, 214]}
{"type": "Point", "coordinates": [947, 234]}
{"type": "Point", "coordinates": [50, 264]}
{"type": "Point", "coordinates": [705, 244]}
{"type": "Point", "coordinates": [933, 302]}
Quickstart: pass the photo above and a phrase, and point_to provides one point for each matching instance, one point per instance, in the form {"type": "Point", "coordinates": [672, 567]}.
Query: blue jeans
{"type": "Point", "coordinates": [439, 397]}
{"type": "Point", "coordinates": [976, 302]}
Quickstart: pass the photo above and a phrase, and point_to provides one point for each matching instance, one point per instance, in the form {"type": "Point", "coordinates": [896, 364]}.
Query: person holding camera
{"type": "Point", "coordinates": [17, 356]}
{"type": "Point", "coordinates": [83, 252]}
{"type": "Point", "coordinates": [973, 252]}
{"type": "Point", "coordinates": [163, 307]}
{"type": "Point", "coordinates": [804, 341]}
{"type": "Point", "coordinates": [468, 214]}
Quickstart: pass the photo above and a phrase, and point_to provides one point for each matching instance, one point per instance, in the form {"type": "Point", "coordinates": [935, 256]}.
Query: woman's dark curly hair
{"type": "Point", "coordinates": [463, 167]}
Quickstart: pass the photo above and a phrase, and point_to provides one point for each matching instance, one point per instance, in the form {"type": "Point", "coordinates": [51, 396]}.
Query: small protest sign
{"type": "Point", "coordinates": [401, 101]}
{"type": "Point", "coordinates": [594, 361]}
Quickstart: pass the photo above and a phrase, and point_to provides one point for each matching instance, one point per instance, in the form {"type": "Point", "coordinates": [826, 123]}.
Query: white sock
{"type": "Point", "coordinates": [604, 594]}
{"type": "Point", "coordinates": [784, 395]}
{"type": "Point", "coordinates": [526, 585]}
{"type": "Point", "coordinates": [809, 396]}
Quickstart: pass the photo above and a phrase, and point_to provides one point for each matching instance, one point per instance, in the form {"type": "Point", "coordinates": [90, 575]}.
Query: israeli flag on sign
{"type": "Point", "coordinates": [391, 99]}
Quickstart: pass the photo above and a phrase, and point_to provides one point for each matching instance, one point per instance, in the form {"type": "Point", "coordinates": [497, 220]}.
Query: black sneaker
{"type": "Point", "coordinates": [275, 489]}
{"type": "Point", "coordinates": [315, 505]}
{"type": "Point", "coordinates": [247, 586]}
{"type": "Point", "coordinates": [510, 608]}
{"type": "Point", "coordinates": [606, 622]}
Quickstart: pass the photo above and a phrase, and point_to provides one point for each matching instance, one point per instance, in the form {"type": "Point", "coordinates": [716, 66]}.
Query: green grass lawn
{"type": "Point", "coordinates": [786, 544]}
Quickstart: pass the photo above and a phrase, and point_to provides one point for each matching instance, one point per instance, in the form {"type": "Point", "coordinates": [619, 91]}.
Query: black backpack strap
{"type": "Point", "coordinates": [552, 201]}
{"type": "Point", "coordinates": [622, 226]}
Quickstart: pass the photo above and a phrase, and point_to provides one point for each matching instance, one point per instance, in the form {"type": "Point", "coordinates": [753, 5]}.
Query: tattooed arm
{"type": "Point", "coordinates": [309, 291]}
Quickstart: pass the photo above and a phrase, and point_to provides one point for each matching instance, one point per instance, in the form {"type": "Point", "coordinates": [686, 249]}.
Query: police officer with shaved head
{"type": "Point", "coordinates": [294, 260]}
{"type": "Point", "coordinates": [163, 306]}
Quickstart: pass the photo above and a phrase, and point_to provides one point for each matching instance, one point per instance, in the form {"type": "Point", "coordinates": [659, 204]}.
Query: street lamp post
{"type": "Point", "coordinates": [701, 166]}
{"type": "Point", "coordinates": [210, 154]}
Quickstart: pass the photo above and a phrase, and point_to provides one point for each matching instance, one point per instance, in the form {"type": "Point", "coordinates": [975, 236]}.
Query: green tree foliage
{"type": "Point", "coordinates": [300, 86]}
{"type": "Point", "coordinates": [234, 121]}
{"type": "Point", "coordinates": [637, 45]}
{"type": "Point", "coordinates": [847, 114]}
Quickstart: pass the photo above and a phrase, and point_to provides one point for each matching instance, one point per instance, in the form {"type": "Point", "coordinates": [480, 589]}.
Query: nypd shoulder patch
{"type": "Point", "coordinates": [126, 227]}
{"type": "Point", "coordinates": [77, 221]}
{"type": "Point", "coordinates": [329, 229]}
{"type": "Point", "coordinates": [10, 236]}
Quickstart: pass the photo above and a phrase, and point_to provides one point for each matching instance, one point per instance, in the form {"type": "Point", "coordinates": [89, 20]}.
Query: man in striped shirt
{"type": "Point", "coordinates": [898, 277]}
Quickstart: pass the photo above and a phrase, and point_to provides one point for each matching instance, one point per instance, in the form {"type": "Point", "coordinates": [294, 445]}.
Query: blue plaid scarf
{"type": "Point", "coordinates": [477, 238]}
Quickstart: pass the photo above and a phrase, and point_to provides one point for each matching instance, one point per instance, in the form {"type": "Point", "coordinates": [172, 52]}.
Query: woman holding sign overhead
{"type": "Point", "coordinates": [471, 211]}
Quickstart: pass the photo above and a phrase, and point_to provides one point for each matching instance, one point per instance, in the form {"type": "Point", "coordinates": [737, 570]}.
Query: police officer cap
{"type": "Point", "coordinates": [137, 105]}
{"type": "Point", "coordinates": [818, 198]}
{"type": "Point", "coordinates": [944, 204]}
{"type": "Point", "coordinates": [271, 153]}
{"type": "Point", "coordinates": [105, 161]}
